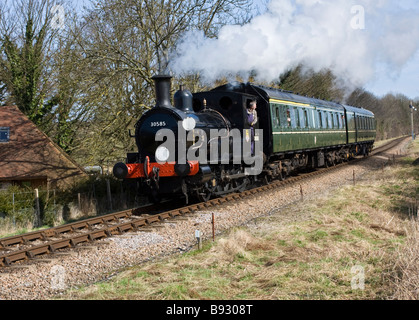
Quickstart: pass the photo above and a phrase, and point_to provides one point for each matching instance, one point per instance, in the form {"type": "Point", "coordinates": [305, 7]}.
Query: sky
{"type": "Point", "coordinates": [382, 56]}
{"type": "Point", "coordinates": [405, 82]}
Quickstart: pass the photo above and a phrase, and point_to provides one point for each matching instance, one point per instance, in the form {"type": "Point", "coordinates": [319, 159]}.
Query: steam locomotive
{"type": "Point", "coordinates": [204, 146]}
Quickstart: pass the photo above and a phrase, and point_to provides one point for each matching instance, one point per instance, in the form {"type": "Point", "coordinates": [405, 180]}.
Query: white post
{"type": "Point", "coordinates": [412, 108]}
{"type": "Point", "coordinates": [38, 209]}
{"type": "Point", "coordinates": [198, 238]}
{"type": "Point", "coordinates": [413, 129]}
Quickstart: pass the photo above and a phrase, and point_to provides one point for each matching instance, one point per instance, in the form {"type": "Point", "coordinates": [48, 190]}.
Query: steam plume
{"type": "Point", "coordinates": [350, 37]}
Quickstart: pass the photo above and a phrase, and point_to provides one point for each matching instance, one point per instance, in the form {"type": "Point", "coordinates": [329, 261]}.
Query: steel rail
{"type": "Point", "coordinates": [83, 231]}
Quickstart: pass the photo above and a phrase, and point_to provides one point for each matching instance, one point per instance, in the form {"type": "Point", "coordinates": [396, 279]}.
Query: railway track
{"type": "Point", "coordinates": [31, 245]}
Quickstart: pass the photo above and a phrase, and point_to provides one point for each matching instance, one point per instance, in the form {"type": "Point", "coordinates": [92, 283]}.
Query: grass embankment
{"type": "Point", "coordinates": [355, 243]}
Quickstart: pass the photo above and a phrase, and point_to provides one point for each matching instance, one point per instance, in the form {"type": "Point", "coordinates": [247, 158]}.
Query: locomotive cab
{"type": "Point", "coordinates": [231, 105]}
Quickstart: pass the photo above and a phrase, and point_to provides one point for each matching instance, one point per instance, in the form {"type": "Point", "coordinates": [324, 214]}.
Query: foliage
{"type": "Point", "coordinates": [391, 111]}
{"type": "Point", "coordinates": [18, 204]}
{"type": "Point", "coordinates": [87, 84]}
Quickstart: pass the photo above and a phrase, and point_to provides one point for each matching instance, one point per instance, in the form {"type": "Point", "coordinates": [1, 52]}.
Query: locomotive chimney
{"type": "Point", "coordinates": [162, 84]}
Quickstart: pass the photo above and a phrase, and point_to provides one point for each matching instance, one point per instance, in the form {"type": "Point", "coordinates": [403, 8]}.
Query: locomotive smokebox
{"type": "Point", "coordinates": [163, 85]}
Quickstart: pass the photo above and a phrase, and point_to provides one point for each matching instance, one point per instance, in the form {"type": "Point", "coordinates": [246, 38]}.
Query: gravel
{"type": "Point", "coordinates": [50, 275]}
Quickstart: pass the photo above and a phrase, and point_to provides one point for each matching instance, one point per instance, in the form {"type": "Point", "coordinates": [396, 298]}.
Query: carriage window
{"type": "Point", "coordinates": [324, 120]}
{"type": "Point", "coordinates": [277, 121]}
{"type": "Point", "coordinates": [306, 119]}
{"type": "Point", "coordinates": [302, 118]}
{"type": "Point", "coordinates": [320, 119]}
{"type": "Point", "coordinates": [288, 118]}
{"type": "Point", "coordinates": [297, 117]}
{"type": "Point", "coordinates": [340, 122]}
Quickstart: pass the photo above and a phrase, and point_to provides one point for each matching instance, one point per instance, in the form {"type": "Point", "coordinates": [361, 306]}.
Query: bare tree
{"type": "Point", "coordinates": [123, 44]}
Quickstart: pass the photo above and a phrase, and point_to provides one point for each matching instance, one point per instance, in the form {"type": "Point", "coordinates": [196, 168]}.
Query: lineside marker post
{"type": "Point", "coordinates": [213, 227]}
{"type": "Point", "coordinates": [198, 238]}
{"type": "Point", "coordinates": [354, 177]}
{"type": "Point", "coordinates": [301, 193]}
{"type": "Point", "coordinates": [38, 209]}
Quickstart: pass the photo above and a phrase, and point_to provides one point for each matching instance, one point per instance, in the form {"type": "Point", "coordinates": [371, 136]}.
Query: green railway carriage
{"type": "Point", "coordinates": [301, 131]}
{"type": "Point", "coordinates": [301, 126]}
{"type": "Point", "coordinates": [361, 125]}
{"type": "Point", "coordinates": [298, 131]}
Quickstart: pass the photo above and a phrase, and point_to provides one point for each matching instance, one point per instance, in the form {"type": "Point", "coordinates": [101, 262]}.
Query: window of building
{"type": "Point", "coordinates": [4, 134]}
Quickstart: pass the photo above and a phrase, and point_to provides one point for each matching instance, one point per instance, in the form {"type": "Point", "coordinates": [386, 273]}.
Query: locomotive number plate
{"type": "Point", "coordinates": [158, 124]}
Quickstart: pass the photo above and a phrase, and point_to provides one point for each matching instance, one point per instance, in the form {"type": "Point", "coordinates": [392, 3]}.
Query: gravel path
{"type": "Point", "coordinates": [52, 274]}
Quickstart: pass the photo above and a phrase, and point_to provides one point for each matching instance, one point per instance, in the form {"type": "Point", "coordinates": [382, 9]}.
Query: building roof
{"type": "Point", "coordinates": [27, 153]}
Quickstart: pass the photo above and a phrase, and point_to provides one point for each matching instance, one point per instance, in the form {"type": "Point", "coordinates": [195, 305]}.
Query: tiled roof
{"type": "Point", "coordinates": [30, 154]}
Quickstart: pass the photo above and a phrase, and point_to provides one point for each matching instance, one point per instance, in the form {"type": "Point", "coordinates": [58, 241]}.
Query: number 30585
{"type": "Point", "coordinates": [158, 124]}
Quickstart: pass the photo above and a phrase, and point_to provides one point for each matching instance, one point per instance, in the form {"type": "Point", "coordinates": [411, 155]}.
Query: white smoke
{"type": "Point", "coordinates": [350, 37]}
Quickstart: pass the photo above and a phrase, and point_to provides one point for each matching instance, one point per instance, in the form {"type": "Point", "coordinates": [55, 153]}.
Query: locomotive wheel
{"type": "Point", "coordinates": [280, 176]}
{"type": "Point", "coordinates": [205, 193]}
{"type": "Point", "coordinates": [203, 196]}
{"type": "Point", "coordinates": [268, 179]}
{"type": "Point", "coordinates": [240, 185]}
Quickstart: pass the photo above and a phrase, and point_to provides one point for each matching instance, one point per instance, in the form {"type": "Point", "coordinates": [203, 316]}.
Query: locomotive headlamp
{"type": "Point", "coordinates": [162, 154]}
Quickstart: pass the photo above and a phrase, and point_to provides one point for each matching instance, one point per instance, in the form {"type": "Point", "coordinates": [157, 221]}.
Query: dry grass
{"type": "Point", "coordinates": [406, 268]}
{"type": "Point", "coordinates": [306, 251]}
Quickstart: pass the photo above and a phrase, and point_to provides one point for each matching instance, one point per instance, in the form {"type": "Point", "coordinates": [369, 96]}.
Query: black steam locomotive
{"type": "Point", "coordinates": [204, 146]}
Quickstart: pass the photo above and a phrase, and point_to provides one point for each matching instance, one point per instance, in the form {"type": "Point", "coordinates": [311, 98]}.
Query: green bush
{"type": "Point", "coordinates": [17, 203]}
